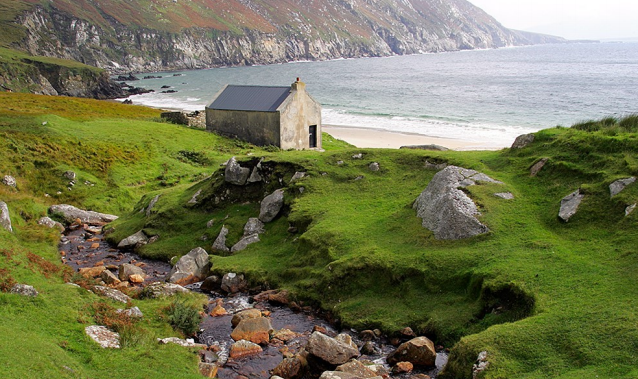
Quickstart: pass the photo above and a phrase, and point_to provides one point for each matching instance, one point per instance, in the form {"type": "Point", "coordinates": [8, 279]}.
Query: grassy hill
{"type": "Point", "coordinates": [544, 298]}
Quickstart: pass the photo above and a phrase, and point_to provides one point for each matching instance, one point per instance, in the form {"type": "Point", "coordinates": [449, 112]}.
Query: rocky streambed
{"type": "Point", "coordinates": [258, 334]}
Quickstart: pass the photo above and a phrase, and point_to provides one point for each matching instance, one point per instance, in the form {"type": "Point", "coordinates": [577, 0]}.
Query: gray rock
{"type": "Point", "coordinates": [178, 341]}
{"type": "Point", "coordinates": [481, 364]}
{"type": "Point", "coordinates": [630, 209]}
{"type": "Point", "coordinates": [418, 351]}
{"type": "Point", "coordinates": [616, 187]}
{"type": "Point", "coordinates": [425, 147]}
{"type": "Point", "coordinates": [330, 350]}
{"type": "Point", "coordinates": [298, 176]}
{"type": "Point", "coordinates": [48, 222]}
{"type": "Point", "coordinates": [233, 283]}
{"type": "Point", "coordinates": [133, 241]}
{"type": "Point", "coordinates": [134, 312]}
{"type": "Point", "coordinates": [69, 175]}
{"type": "Point", "coordinates": [24, 290]}
{"type": "Point", "coordinates": [193, 199]}
{"type": "Point", "coordinates": [5, 220]}
{"type": "Point", "coordinates": [271, 206]}
{"type": "Point", "coordinates": [255, 175]}
{"type": "Point", "coordinates": [538, 166]}
{"type": "Point", "coordinates": [523, 141]}
{"type": "Point", "coordinates": [358, 156]}
{"type": "Point", "coordinates": [374, 166]}
{"type": "Point", "coordinates": [212, 283]}
{"type": "Point", "coordinates": [253, 226]}
{"type": "Point", "coordinates": [151, 205]}
{"type": "Point", "coordinates": [244, 242]}
{"type": "Point", "coordinates": [109, 278]}
{"type": "Point", "coordinates": [9, 180]}
{"type": "Point", "coordinates": [435, 166]}
{"type": "Point", "coordinates": [103, 336]}
{"type": "Point", "coordinates": [159, 289]}
{"type": "Point", "coordinates": [210, 223]}
{"type": "Point", "coordinates": [220, 241]}
{"type": "Point", "coordinates": [505, 195]}
{"type": "Point", "coordinates": [126, 270]}
{"type": "Point", "coordinates": [195, 263]}
{"type": "Point", "coordinates": [569, 205]}
{"type": "Point", "coordinates": [70, 213]}
{"type": "Point", "coordinates": [446, 210]}
{"type": "Point", "coordinates": [112, 294]}
{"type": "Point", "coordinates": [357, 368]}
{"type": "Point", "coordinates": [235, 174]}
{"type": "Point", "coordinates": [339, 163]}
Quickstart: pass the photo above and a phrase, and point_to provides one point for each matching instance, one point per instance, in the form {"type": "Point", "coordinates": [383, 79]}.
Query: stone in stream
{"type": "Point", "coordinates": [133, 241]}
{"type": "Point", "coordinates": [5, 220]}
{"type": "Point", "coordinates": [194, 264]}
{"type": "Point", "coordinates": [211, 283]}
{"type": "Point", "coordinates": [335, 351]}
{"type": "Point", "coordinates": [245, 314]}
{"type": "Point", "coordinates": [357, 368]}
{"type": "Point", "coordinates": [92, 272]}
{"type": "Point", "coordinates": [418, 351]}
{"type": "Point", "coordinates": [341, 375]}
{"type": "Point", "coordinates": [256, 330]}
{"type": "Point", "coordinates": [103, 336]}
{"type": "Point", "coordinates": [271, 206]}
{"type": "Point", "coordinates": [233, 283]}
{"type": "Point", "coordinates": [109, 278]}
{"type": "Point", "coordinates": [291, 368]}
{"type": "Point", "coordinates": [243, 348]}
{"type": "Point", "coordinates": [70, 213]}
{"type": "Point", "coordinates": [24, 290]}
{"type": "Point", "coordinates": [127, 270]}
{"type": "Point", "coordinates": [402, 368]}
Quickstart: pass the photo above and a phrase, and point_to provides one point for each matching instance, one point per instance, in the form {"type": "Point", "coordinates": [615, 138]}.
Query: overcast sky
{"type": "Point", "coordinates": [572, 19]}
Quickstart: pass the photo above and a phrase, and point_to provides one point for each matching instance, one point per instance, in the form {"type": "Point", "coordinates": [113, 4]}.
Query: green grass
{"type": "Point", "coordinates": [545, 298]}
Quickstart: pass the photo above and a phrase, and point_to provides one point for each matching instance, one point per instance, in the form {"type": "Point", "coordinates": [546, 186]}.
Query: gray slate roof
{"type": "Point", "coordinates": [250, 98]}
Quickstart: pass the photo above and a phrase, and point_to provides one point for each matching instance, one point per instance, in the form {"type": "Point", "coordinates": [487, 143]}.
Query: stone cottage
{"type": "Point", "coordinates": [286, 117]}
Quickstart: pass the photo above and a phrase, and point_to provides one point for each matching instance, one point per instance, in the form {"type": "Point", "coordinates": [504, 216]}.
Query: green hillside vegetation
{"type": "Point", "coordinates": [544, 298]}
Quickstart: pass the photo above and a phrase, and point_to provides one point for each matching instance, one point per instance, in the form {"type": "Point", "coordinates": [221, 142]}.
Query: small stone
{"type": "Point", "coordinates": [95, 245]}
{"type": "Point", "coordinates": [629, 209]}
{"type": "Point", "coordinates": [243, 243]}
{"type": "Point", "coordinates": [134, 312]}
{"type": "Point", "coordinates": [103, 336]}
{"type": "Point", "coordinates": [243, 348]}
{"type": "Point", "coordinates": [374, 167]}
{"type": "Point", "coordinates": [210, 223]}
{"type": "Point", "coordinates": [24, 290]}
{"type": "Point", "coordinates": [357, 156]}
{"type": "Point", "coordinates": [193, 199]}
{"type": "Point", "coordinates": [220, 241]}
{"type": "Point", "coordinates": [616, 187]}
{"type": "Point", "coordinates": [69, 175]}
{"type": "Point", "coordinates": [505, 195]}
{"type": "Point", "coordinates": [569, 205]}
{"type": "Point", "coordinates": [136, 278]}
{"type": "Point", "coordinates": [109, 278]}
{"type": "Point", "coordinates": [402, 368]}
{"type": "Point", "coordinates": [297, 176]}
{"type": "Point", "coordinates": [245, 314]}
{"type": "Point", "coordinates": [233, 283]}
{"type": "Point", "coordinates": [9, 180]}
{"type": "Point", "coordinates": [91, 272]}
{"type": "Point", "coordinates": [112, 294]}
{"type": "Point", "coordinates": [255, 330]}
{"type": "Point", "coordinates": [538, 166]}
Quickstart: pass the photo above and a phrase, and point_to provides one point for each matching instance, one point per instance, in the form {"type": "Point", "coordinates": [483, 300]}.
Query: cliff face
{"type": "Point", "coordinates": [124, 36]}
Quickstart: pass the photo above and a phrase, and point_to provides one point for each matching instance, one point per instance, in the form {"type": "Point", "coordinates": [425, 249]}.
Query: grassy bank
{"type": "Point", "coordinates": [544, 298]}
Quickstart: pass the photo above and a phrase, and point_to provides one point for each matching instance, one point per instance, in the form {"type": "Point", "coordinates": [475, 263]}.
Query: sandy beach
{"type": "Point", "coordinates": [378, 138]}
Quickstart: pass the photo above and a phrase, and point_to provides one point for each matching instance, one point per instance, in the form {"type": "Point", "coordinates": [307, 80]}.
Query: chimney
{"type": "Point", "coordinates": [298, 86]}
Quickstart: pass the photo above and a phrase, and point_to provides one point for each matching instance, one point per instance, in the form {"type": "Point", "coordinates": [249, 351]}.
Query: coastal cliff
{"type": "Point", "coordinates": [124, 37]}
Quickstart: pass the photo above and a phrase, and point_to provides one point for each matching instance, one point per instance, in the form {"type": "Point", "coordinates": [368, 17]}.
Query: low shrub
{"type": "Point", "coordinates": [183, 317]}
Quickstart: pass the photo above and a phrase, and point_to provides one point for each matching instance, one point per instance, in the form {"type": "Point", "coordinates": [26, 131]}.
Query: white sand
{"type": "Point", "coordinates": [377, 138]}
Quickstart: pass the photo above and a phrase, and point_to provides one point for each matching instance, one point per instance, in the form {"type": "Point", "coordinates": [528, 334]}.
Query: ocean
{"type": "Point", "coordinates": [483, 96]}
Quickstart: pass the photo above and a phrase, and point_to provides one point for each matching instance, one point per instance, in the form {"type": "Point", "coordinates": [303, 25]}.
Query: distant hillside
{"type": "Point", "coordinates": [149, 35]}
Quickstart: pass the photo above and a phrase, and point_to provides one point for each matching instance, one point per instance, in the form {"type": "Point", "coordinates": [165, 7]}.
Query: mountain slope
{"type": "Point", "coordinates": [150, 35]}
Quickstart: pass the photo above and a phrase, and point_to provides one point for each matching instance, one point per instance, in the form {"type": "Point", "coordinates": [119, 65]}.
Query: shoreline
{"type": "Point", "coordinates": [388, 139]}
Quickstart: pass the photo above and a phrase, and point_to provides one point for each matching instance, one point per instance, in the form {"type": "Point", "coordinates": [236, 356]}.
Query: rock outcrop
{"type": "Point", "coordinates": [70, 213]}
{"type": "Point", "coordinates": [5, 220]}
{"type": "Point", "coordinates": [194, 264]}
{"type": "Point", "coordinates": [235, 174]}
{"type": "Point", "coordinates": [446, 210]}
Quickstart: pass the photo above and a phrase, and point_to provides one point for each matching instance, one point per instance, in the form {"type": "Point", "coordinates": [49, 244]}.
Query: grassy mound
{"type": "Point", "coordinates": [544, 298]}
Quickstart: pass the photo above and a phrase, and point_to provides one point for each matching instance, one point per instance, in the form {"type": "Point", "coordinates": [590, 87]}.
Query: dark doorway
{"type": "Point", "coordinates": [313, 135]}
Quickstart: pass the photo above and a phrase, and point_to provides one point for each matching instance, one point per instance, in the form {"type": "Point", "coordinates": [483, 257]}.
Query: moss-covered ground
{"type": "Point", "coordinates": [543, 297]}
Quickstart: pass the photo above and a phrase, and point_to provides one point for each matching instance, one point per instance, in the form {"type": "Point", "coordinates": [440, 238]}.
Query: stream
{"type": "Point", "coordinates": [84, 246]}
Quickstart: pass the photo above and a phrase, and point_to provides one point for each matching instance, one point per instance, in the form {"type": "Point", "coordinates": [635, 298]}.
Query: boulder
{"type": "Point", "coordinates": [112, 294]}
{"type": "Point", "coordinates": [233, 283]}
{"type": "Point", "coordinates": [211, 283]}
{"type": "Point", "coordinates": [134, 312]}
{"type": "Point", "coordinates": [616, 187]}
{"type": "Point", "coordinates": [48, 222]}
{"type": "Point", "coordinates": [235, 174]}
{"type": "Point", "coordinates": [103, 336]}
{"type": "Point", "coordinates": [91, 272]}
{"type": "Point", "coordinates": [244, 315]}
{"type": "Point", "coordinates": [9, 180]}
{"type": "Point", "coordinates": [253, 226]}
{"type": "Point", "coordinates": [446, 210]}
{"type": "Point", "coordinates": [126, 270]}
{"type": "Point", "coordinates": [220, 241]}
{"type": "Point", "coordinates": [523, 141]}
{"type": "Point", "coordinates": [136, 278]}
{"type": "Point", "coordinates": [418, 351]}
{"type": "Point", "coordinates": [5, 220]}
{"type": "Point", "coordinates": [374, 167]}
{"type": "Point", "coordinates": [243, 348]}
{"type": "Point", "coordinates": [271, 206]}
{"type": "Point", "coordinates": [24, 290]}
{"type": "Point", "coordinates": [569, 205]}
{"type": "Point", "coordinates": [357, 368]}
{"type": "Point", "coordinates": [70, 213]}
{"type": "Point", "coordinates": [133, 241]}
{"type": "Point", "coordinates": [291, 368]}
{"type": "Point", "coordinates": [330, 350]}
{"type": "Point", "coordinates": [284, 335]}
{"type": "Point", "coordinates": [195, 263]}
{"type": "Point", "coordinates": [244, 242]}
{"type": "Point", "coordinates": [538, 166]}
{"type": "Point", "coordinates": [402, 368]}
{"type": "Point", "coordinates": [255, 330]}
{"type": "Point", "coordinates": [158, 289]}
